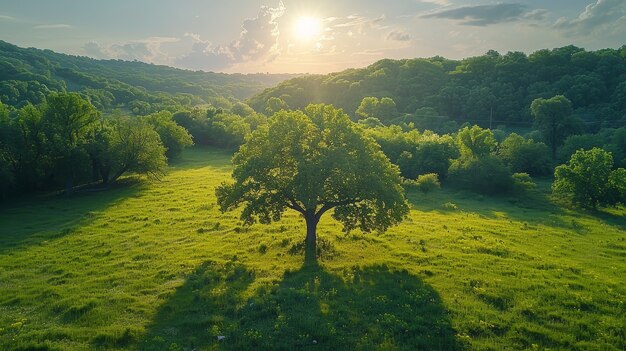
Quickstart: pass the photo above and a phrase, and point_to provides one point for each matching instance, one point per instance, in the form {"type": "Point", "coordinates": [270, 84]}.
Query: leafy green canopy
{"type": "Point", "coordinates": [311, 162]}
{"type": "Point", "coordinates": [588, 179]}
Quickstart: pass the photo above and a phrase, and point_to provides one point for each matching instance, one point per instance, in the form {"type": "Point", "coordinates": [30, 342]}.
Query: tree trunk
{"type": "Point", "coordinates": [310, 255]}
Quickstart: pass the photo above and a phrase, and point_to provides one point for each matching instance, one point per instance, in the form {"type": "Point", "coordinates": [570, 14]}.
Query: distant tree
{"type": "Point", "coordinates": [131, 145]}
{"type": "Point", "coordinates": [383, 109]}
{"type": "Point", "coordinates": [553, 118]}
{"type": "Point", "coordinates": [525, 155]}
{"type": "Point", "coordinates": [274, 105]}
{"type": "Point", "coordinates": [475, 142]}
{"type": "Point", "coordinates": [312, 162]}
{"type": "Point", "coordinates": [485, 175]}
{"type": "Point", "coordinates": [174, 137]}
{"type": "Point", "coordinates": [68, 119]}
{"type": "Point", "coordinates": [588, 179]}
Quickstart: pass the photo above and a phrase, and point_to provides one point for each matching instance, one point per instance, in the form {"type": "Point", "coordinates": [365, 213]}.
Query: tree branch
{"type": "Point", "coordinates": [295, 206]}
{"type": "Point", "coordinates": [329, 205]}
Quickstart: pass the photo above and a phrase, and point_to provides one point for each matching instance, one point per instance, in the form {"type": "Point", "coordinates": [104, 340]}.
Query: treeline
{"type": "Point", "coordinates": [65, 142]}
{"type": "Point", "coordinates": [488, 90]}
{"type": "Point", "coordinates": [29, 75]}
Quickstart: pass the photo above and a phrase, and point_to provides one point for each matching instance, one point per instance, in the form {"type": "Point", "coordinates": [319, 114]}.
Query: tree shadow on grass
{"type": "Point", "coordinates": [374, 308]}
{"type": "Point", "coordinates": [205, 307]}
{"type": "Point", "coordinates": [32, 220]}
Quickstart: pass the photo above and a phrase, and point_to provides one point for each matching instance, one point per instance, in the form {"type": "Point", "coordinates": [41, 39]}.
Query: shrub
{"type": "Point", "coordinates": [428, 182]}
{"type": "Point", "coordinates": [450, 206]}
{"type": "Point", "coordinates": [525, 155]}
{"type": "Point", "coordinates": [486, 175]}
{"type": "Point", "coordinates": [522, 182]}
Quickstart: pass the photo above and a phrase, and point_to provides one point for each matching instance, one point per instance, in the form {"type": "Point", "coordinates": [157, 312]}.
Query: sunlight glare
{"type": "Point", "coordinates": [307, 28]}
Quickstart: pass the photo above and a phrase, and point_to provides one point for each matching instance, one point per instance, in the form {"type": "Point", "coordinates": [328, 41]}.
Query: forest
{"type": "Point", "coordinates": [489, 90]}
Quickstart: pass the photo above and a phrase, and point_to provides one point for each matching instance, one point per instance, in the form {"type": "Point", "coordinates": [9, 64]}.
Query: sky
{"type": "Point", "coordinates": [318, 36]}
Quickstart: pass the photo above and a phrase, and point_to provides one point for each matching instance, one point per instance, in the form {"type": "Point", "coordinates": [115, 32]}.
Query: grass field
{"type": "Point", "coordinates": [156, 266]}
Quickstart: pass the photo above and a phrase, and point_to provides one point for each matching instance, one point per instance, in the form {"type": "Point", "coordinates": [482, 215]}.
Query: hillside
{"type": "Point", "coordinates": [30, 74]}
{"type": "Point", "coordinates": [494, 86]}
{"type": "Point", "coordinates": [156, 266]}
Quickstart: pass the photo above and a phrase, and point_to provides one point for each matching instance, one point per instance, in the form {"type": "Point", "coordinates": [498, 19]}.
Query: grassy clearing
{"type": "Point", "coordinates": [155, 266]}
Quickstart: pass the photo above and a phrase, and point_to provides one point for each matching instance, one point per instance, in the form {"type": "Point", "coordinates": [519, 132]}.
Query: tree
{"type": "Point", "coordinates": [131, 145]}
{"type": "Point", "coordinates": [525, 155]}
{"type": "Point", "coordinates": [383, 109]}
{"type": "Point", "coordinates": [68, 118]}
{"type": "Point", "coordinates": [553, 119]}
{"type": "Point", "coordinates": [174, 137]}
{"type": "Point", "coordinates": [312, 162]}
{"type": "Point", "coordinates": [475, 142]}
{"type": "Point", "coordinates": [588, 179]}
{"type": "Point", "coordinates": [274, 105]}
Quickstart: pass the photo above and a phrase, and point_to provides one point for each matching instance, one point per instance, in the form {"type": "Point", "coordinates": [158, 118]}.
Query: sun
{"type": "Point", "coordinates": [307, 28]}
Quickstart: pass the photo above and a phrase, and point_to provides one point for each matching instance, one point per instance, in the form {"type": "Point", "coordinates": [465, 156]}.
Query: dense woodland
{"type": "Point", "coordinates": [29, 75]}
{"type": "Point", "coordinates": [68, 121]}
{"type": "Point", "coordinates": [488, 90]}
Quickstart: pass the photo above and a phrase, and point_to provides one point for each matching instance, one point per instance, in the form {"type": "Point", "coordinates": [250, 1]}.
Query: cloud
{"type": "Point", "coordinates": [258, 41]}
{"type": "Point", "coordinates": [147, 50]}
{"type": "Point", "coordinates": [6, 18]}
{"type": "Point", "coordinates": [482, 15]}
{"type": "Point", "coordinates": [398, 35]}
{"type": "Point", "coordinates": [52, 26]}
{"type": "Point", "coordinates": [602, 15]}
{"type": "Point", "coordinates": [437, 2]}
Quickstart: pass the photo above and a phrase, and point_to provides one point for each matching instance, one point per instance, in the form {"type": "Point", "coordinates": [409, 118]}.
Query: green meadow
{"type": "Point", "coordinates": [154, 265]}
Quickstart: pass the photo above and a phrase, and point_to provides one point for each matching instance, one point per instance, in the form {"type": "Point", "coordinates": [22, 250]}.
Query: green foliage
{"type": "Point", "coordinates": [382, 109]}
{"type": "Point", "coordinates": [475, 142]}
{"type": "Point", "coordinates": [174, 137]}
{"type": "Point", "coordinates": [274, 105]}
{"type": "Point", "coordinates": [426, 183]}
{"type": "Point", "coordinates": [522, 183]}
{"type": "Point", "coordinates": [312, 162]}
{"type": "Point", "coordinates": [414, 152]}
{"type": "Point", "coordinates": [29, 75]}
{"type": "Point", "coordinates": [133, 145]}
{"type": "Point", "coordinates": [525, 155]}
{"type": "Point", "coordinates": [68, 120]}
{"type": "Point", "coordinates": [553, 118]}
{"type": "Point", "coordinates": [485, 175]}
{"type": "Point", "coordinates": [588, 179]}
{"type": "Point", "coordinates": [474, 89]}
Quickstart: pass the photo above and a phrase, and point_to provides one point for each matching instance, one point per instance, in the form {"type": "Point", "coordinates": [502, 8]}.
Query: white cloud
{"type": "Point", "coordinates": [53, 26]}
{"type": "Point", "coordinates": [258, 41]}
{"type": "Point", "coordinates": [603, 15]}
{"type": "Point", "coordinates": [146, 50]}
{"type": "Point", "coordinates": [398, 35]}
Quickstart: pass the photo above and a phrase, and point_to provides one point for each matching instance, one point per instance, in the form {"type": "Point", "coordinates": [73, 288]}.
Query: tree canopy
{"type": "Point", "coordinates": [313, 162]}
{"type": "Point", "coordinates": [589, 180]}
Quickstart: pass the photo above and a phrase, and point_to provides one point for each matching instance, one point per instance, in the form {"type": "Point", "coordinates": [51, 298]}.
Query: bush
{"type": "Point", "coordinates": [589, 181]}
{"type": "Point", "coordinates": [486, 175]}
{"type": "Point", "coordinates": [526, 156]}
{"type": "Point", "coordinates": [428, 182]}
{"type": "Point", "coordinates": [522, 182]}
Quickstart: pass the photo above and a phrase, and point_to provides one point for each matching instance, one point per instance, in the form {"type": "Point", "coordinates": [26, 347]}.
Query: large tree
{"type": "Point", "coordinates": [312, 162]}
{"type": "Point", "coordinates": [553, 118]}
{"type": "Point", "coordinates": [67, 119]}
